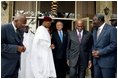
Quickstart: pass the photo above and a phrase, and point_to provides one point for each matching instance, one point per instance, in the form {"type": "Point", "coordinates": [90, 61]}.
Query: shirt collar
{"type": "Point", "coordinates": [14, 26]}
{"type": "Point", "coordinates": [60, 31]}
{"type": "Point", "coordinates": [78, 31]}
{"type": "Point", "coordinates": [101, 27]}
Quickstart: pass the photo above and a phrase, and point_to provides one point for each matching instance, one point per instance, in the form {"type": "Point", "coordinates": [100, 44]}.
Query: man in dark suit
{"type": "Point", "coordinates": [104, 48]}
{"type": "Point", "coordinates": [11, 46]}
{"type": "Point", "coordinates": [59, 40]}
{"type": "Point", "coordinates": [114, 20]}
{"type": "Point", "coordinates": [79, 50]}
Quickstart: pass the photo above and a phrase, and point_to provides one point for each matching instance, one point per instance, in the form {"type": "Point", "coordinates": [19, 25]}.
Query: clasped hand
{"type": "Point", "coordinates": [21, 49]}
{"type": "Point", "coordinates": [95, 53]}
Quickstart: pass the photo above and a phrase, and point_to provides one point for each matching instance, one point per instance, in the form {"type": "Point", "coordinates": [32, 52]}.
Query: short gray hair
{"type": "Point", "coordinates": [100, 17]}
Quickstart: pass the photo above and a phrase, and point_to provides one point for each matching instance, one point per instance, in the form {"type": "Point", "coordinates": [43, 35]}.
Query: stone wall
{"type": "Point", "coordinates": [6, 15]}
{"type": "Point", "coordinates": [101, 5]}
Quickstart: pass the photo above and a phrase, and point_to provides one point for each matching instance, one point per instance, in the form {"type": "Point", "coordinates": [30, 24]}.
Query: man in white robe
{"type": "Point", "coordinates": [42, 64]}
{"type": "Point", "coordinates": [25, 69]}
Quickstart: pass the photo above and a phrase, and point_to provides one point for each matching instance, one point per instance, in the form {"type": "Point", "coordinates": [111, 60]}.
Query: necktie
{"type": "Point", "coordinates": [98, 32]}
{"type": "Point", "coordinates": [61, 36]}
{"type": "Point", "coordinates": [79, 36]}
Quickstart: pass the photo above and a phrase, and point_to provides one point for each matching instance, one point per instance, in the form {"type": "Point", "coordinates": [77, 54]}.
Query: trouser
{"type": "Point", "coordinates": [103, 72]}
{"type": "Point", "coordinates": [15, 72]}
{"type": "Point", "coordinates": [60, 66]}
{"type": "Point", "coordinates": [79, 70]}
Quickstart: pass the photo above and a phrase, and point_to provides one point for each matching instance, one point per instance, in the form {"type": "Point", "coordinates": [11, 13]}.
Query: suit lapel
{"type": "Point", "coordinates": [64, 37]}
{"type": "Point", "coordinates": [95, 35]}
{"type": "Point", "coordinates": [19, 35]}
{"type": "Point", "coordinates": [84, 34]}
{"type": "Point", "coordinates": [102, 33]}
{"type": "Point", "coordinates": [75, 36]}
{"type": "Point", "coordinates": [14, 33]}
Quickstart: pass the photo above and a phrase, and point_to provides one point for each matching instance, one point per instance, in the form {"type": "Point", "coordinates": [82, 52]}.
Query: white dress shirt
{"type": "Point", "coordinates": [81, 33]}
{"type": "Point", "coordinates": [100, 29]}
{"type": "Point", "coordinates": [14, 26]}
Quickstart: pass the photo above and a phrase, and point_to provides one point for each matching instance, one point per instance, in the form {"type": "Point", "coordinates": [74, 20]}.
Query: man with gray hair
{"type": "Point", "coordinates": [104, 49]}
{"type": "Point", "coordinates": [12, 46]}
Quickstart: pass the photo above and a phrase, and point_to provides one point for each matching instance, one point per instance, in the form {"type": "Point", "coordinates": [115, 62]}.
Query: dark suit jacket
{"type": "Point", "coordinates": [76, 49]}
{"type": "Point", "coordinates": [60, 48]}
{"type": "Point", "coordinates": [9, 54]}
{"type": "Point", "coordinates": [107, 45]}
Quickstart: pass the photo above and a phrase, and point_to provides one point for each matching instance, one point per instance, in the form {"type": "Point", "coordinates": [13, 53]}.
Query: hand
{"type": "Point", "coordinates": [95, 54]}
{"type": "Point", "coordinates": [89, 64]}
{"type": "Point", "coordinates": [52, 46]}
{"type": "Point", "coordinates": [68, 62]}
{"type": "Point", "coordinates": [21, 49]}
{"type": "Point", "coordinates": [24, 48]}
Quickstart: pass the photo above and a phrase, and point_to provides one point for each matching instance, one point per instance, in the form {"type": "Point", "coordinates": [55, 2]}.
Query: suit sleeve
{"type": "Point", "coordinates": [53, 42]}
{"type": "Point", "coordinates": [6, 48]}
{"type": "Point", "coordinates": [68, 46]}
{"type": "Point", "coordinates": [113, 43]}
{"type": "Point", "coordinates": [90, 47]}
{"type": "Point", "coordinates": [52, 39]}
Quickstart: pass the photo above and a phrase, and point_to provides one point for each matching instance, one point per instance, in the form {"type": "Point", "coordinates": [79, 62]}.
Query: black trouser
{"type": "Point", "coordinates": [92, 72]}
{"type": "Point", "coordinates": [60, 66]}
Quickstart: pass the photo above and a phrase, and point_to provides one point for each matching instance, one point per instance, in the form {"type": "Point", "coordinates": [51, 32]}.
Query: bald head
{"type": "Point", "coordinates": [20, 17]}
{"type": "Point", "coordinates": [79, 24]}
{"type": "Point", "coordinates": [19, 20]}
